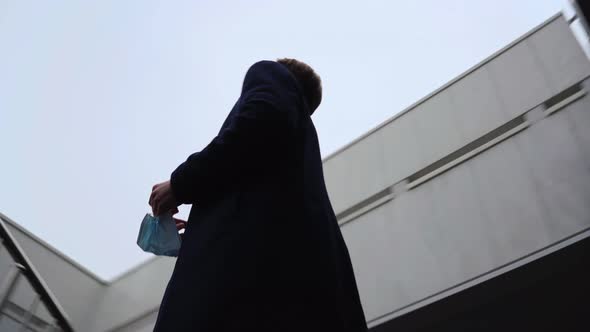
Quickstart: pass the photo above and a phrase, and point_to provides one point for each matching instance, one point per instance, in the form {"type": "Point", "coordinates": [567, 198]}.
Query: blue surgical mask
{"type": "Point", "coordinates": [159, 235]}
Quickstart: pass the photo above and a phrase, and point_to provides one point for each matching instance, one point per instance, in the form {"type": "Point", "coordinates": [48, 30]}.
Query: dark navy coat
{"type": "Point", "coordinates": [262, 250]}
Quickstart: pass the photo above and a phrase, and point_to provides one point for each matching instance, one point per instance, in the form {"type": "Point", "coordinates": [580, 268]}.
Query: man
{"type": "Point", "coordinates": [262, 250]}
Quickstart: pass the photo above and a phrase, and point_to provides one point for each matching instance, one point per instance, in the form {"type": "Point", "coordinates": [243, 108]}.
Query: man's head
{"type": "Point", "coordinates": [308, 79]}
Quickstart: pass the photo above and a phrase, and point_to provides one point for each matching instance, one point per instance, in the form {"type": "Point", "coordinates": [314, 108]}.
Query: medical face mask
{"type": "Point", "coordinates": [159, 235]}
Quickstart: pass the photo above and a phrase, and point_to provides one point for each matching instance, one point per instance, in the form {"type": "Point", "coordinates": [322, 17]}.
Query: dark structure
{"type": "Point", "coordinates": [548, 294]}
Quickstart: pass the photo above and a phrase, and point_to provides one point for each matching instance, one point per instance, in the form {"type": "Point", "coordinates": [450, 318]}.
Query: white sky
{"type": "Point", "coordinates": [99, 100]}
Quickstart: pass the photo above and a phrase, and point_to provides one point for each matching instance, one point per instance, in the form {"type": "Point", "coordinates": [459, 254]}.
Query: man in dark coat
{"type": "Point", "coordinates": [262, 250]}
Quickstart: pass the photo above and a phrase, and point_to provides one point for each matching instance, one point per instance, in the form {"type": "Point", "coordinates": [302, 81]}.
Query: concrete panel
{"type": "Point", "coordinates": [394, 266]}
{"type": "Point", "coordinates": [458, 231]}
{"type": "Point", "coordinates": [561, 174]}
{"type": "Point", "coordinates": [401, 156]}
{"type": "Point", "coordinates": [413, 260]}
{"type": "Point", "coordinates": [578, 114]}
{"type": "Point", "coordinates": [145, 324]}
{"type": "Point", "coordinates": [563, 60]}
{"type": "Point", "coordinates": [519, 79]}
{"type": "Point", "coordinates": [333, 172]}
{"type": "Point", "coordinates": [436, 128]}
{"type": "Point", "coordinates": [370, 245]}
{"type": "Point", "coordinates": [134, 294]}
{"type": "Point", "coordinates": [357, 173]}
{"type": "Point", "coordinates": [510, 201]}
{"type": "Point", "coordinates": [477, 108]}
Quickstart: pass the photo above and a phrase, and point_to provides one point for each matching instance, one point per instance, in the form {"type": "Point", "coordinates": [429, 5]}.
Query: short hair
{"type": "Point", "coordinates": [308, 79]}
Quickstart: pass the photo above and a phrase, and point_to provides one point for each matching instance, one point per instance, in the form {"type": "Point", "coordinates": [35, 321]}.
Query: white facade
{"type": "Point", "coordinates": [478, 176]}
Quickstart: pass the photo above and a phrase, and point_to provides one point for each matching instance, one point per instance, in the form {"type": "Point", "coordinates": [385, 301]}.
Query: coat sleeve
{"type": "Point", "coordinates": [262, 125]}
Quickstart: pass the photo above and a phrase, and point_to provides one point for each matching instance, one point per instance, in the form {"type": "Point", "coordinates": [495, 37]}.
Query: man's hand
{"type": "Point", "coordinates": [180, 225]}
{"type": "Point", "coordinates": [162, 199]}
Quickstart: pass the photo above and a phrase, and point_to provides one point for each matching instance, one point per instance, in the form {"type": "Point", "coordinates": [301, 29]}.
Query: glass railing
{"type": "Point", "coordinates": [26, 304]}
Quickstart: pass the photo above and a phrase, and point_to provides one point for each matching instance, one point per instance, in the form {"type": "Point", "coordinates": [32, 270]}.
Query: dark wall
{"type": "Point", "coordinates": [549, 294]}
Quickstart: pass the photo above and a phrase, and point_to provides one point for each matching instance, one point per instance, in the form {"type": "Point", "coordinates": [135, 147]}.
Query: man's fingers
{"type": "Point", "coordinates": [154, 193]}
{"type": "Point", "coordinates": [153, 196]}
{"type": "Point", "coordinates": [162, 200]}
{"type": "Point", "coordinates": [180, 224]}
{"type": "Point", "coordinates": [155, 205]}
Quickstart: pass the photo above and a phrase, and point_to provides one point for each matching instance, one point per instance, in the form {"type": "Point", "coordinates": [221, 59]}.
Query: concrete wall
{"type": "Point", "coordinates": [519, 196]}
{"type": "Point", "coordinates": [504, 86]}
{"type": "Point", "coordinates": [133, 299]}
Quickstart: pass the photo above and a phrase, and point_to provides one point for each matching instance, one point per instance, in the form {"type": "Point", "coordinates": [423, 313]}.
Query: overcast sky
{"type": "Point", "coordinates": [99, 100]}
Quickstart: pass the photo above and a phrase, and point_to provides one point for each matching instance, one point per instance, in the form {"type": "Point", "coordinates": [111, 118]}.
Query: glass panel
{"type": "Point", "coordinates": [41, 319]}
{"type": "Point", "coordinates": [8, 324]}
{"type": "Point", "coordinates": [43, 314]}
{"type": "Point", "coordinates": [22, 295]}
{"type": "Point", "coordinates": [16, 309]}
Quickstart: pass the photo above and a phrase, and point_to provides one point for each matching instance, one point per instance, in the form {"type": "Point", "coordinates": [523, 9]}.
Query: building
{"type": "Point", "coordinates": [467, 210]}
